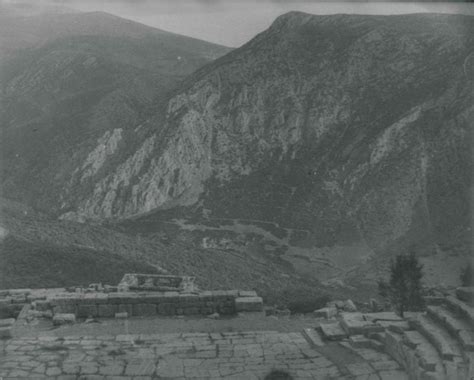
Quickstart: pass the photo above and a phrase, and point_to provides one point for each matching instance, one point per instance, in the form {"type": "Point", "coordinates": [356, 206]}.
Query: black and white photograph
{"type": "Point", "coordinates": [236, 189]}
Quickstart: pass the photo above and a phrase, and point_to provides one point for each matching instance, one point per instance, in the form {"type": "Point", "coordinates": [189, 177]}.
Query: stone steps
{"type": "Point", "coordinates": [427, 355]}
{"type": "Point", "coordinates": [461, 309]}
{"type": "Point", "coordinates": [438, 337]}
{"type": "Point", "coordinates": [448, 347]}
{"type": "Point", "coordinates": [458, 328]}
{"type": "Point", "coordinates": [416, 354]}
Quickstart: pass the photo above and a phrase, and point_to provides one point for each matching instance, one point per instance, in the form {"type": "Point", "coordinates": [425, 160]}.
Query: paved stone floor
{"type": "Point", "coordinates": [227, 355]}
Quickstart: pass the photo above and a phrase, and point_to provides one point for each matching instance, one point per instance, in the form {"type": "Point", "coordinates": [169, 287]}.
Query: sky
{"type": "Point", "coordinates": [234, 22]}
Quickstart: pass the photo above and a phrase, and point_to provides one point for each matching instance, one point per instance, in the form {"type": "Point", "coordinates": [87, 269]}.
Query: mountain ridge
{"type": "Point", "coordinates": [328, 142]}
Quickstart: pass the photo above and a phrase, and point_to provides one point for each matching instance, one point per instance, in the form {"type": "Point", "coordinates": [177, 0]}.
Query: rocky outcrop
{"type": "Point", "coordinates": [352, 128]}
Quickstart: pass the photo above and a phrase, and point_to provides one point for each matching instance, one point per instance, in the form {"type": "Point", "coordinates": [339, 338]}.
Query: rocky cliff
{"type": "Point", "coordinates": [75, 90]}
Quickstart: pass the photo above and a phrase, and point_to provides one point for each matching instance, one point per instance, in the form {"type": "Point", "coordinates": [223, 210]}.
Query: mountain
{"type": "Point", "coordinates": [318, 150]}
{"type": "Point", "coordinates": [22, 29]}
{"type": "Point", "coordinates": [337, 140]}
{"type": "Point", "coordinates": [70, 82]}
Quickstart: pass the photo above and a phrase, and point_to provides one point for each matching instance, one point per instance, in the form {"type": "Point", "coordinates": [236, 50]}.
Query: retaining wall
{"type": "Point", "coordinates": [153, 303]}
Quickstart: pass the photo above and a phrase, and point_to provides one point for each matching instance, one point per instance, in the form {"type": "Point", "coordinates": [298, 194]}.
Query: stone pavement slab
{"type": "Point", "coordinates": [232, 355]}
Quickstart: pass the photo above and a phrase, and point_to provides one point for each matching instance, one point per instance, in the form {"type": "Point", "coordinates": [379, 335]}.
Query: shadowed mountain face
{"type": "Point", "coordinates": [74, 82]}
{"type": "Point", "coordinates": [334, 141]}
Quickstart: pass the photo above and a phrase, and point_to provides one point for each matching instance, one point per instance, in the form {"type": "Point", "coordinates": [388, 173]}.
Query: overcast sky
{"type": "Point", "coordinates": [234, 22]}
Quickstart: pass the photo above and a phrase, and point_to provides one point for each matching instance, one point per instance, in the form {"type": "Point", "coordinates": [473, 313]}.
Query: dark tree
{"type": "Point", "coordinates": [467, 276]}
{"type": "Point", "coordinates": [404, 290]}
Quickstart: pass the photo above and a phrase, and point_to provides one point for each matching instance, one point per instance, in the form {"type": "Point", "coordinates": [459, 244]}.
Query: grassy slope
{"type": "Point", "coordinates": [41, 252]}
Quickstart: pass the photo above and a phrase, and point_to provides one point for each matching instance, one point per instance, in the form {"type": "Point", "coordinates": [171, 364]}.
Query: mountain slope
{"type": "Point", "coordinates": [85, 80]}
{"type": "Point", "coordinates": [346, 137]}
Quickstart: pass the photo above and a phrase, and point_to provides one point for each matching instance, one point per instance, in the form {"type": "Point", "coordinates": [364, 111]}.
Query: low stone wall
{"type": "Point", "coordinates": [12, 301]}
{"type": "Point", "coordinates": [106, 305]}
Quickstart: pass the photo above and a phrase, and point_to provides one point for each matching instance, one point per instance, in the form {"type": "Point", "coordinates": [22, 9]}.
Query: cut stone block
{"type": "Point", "coordinates": [42, 305]}
{"type": "Point", "coordinates": [166, 309]}
{"type": "Point", "coordinates": [398, 327]}
{"type": "Point", "coordinates": [144, 309]}
{"type": "Point", "coordinates": [467, 339]}
{"type": "Point", "coordinates": [247, 293]}
{"type": "Point", "coordinates": [62, 319]}
{"type": "Point", "coordinates": [124, 308]}
{"type": "Point", "coordinates": [354, 324]}
{"type": "Point", "coordinates": [360, 341]}
{"type": "Point", "coordinates": [333, 331]}
{"type": "Point", "coordinates": [325, 312]}
{"type": "Point", "coordinates": [249, 304]}
{"type": "Point", "coordinates": [5, 332]}
{"type": "Point", "coordinates": [107, 311]}
{"type": "Point", "coordinates": [84, 311]}
{"type": "Point", "coordinates": [313, 337]}
{"type": "Point", "coordinates": [465, 294]}
{"type": "Point", "coordinates": [121, 315]}
{"type": "Point", "coordinates": [461, 308]}
{"type": "Point", "coordinates": [7, 322]}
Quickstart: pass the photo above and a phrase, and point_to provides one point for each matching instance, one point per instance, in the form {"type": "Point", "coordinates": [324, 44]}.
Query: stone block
{"type": "Point", "coordinates": [465, 294]}
{"type": "Point", "coordinates": [249, 304]}
{"type": "Point", "coordinates": [349, 306]}
{"type": "Point", "coordinates": [248, 293]}
{"type": "Point", "coordinates": [107, 310]}
{"type": "Point", "coordinates": [7, 322]}
{"type": "Point", "coordinates": [166, 309]}
{"type": "Point", "coordinates": [85, 310]}
{"type": "Point", "coordinates": [152, 298]}
{"type": "Point", "coordinates": [313, 336]}
{"type": "Point", "coordinates": [143, 309]}
{"type": "Point", "coordinates": [5, 332]}
{"type": "Point", "coordinates": [360, 341]}
{"type": "Point", "coordinates": [62, 319]}
{"type": "Point", "coordinates": [124, 298]}
{"type": "Point", "coordinates": [188, 299]}
{"type": "Point", "coordinates": [65, 309]}
{"type": "Point", "coordinates": [121, 315]}
{"type": "Point", "coordinates": [325, 312]}
{"type": "Point", "coordinates": [125, 308]}
{"type": "Point", "coordinates": [467, 339]}
{"type": "Point", "coordinates": [42, 305]}
{"type": "Point", "coordinates": [191, 311]}
{"type": "Point", "coordinates": [226, 310]}
{"type": "Point", "coordinates": [333, 331]}
{"type": "Point", "coordinates": [206, 310]}
{"type": "Point", "coordinates": [355, 324]}
{"type": "Point", "coordinates": [115, 298]}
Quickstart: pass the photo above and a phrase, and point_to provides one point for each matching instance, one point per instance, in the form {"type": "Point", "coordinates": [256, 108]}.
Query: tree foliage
{"type": "Point", "coordinates": [404, 289]}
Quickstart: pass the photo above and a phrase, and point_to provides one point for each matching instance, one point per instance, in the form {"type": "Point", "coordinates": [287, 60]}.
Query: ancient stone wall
{"type": "Point", "coordinates": [106, 305]}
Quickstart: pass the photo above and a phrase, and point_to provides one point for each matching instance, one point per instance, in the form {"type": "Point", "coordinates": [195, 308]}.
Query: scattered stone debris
{"type": "Point", "coordinates": [122, 315]}
{"type": "Point", "coordinates": [63, 319]}
{"type": "Point", "coordinates": [6, 328]}
{"type": "Point", "coordinates": [214, 316]}
{"type": "Point", "coordinates": [333, 331]}
{"type": "Point", "coordinates": [325, 312]}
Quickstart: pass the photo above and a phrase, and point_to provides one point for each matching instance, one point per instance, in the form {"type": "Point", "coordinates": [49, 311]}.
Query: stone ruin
{"type": "Point", "coordinates": [156, 282]}
{"type": "Point", "coordinates": [436, 344]}
{"type": "Point", "coordinates": [137, 295]}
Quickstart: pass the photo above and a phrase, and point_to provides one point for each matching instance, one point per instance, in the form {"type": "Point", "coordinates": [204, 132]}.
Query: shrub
{"type": "Point", "coordinates": [404, 290]}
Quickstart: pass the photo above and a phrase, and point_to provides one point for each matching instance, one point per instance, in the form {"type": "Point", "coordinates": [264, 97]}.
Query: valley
{"type": "Point", "coordinates": [298, 164]}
